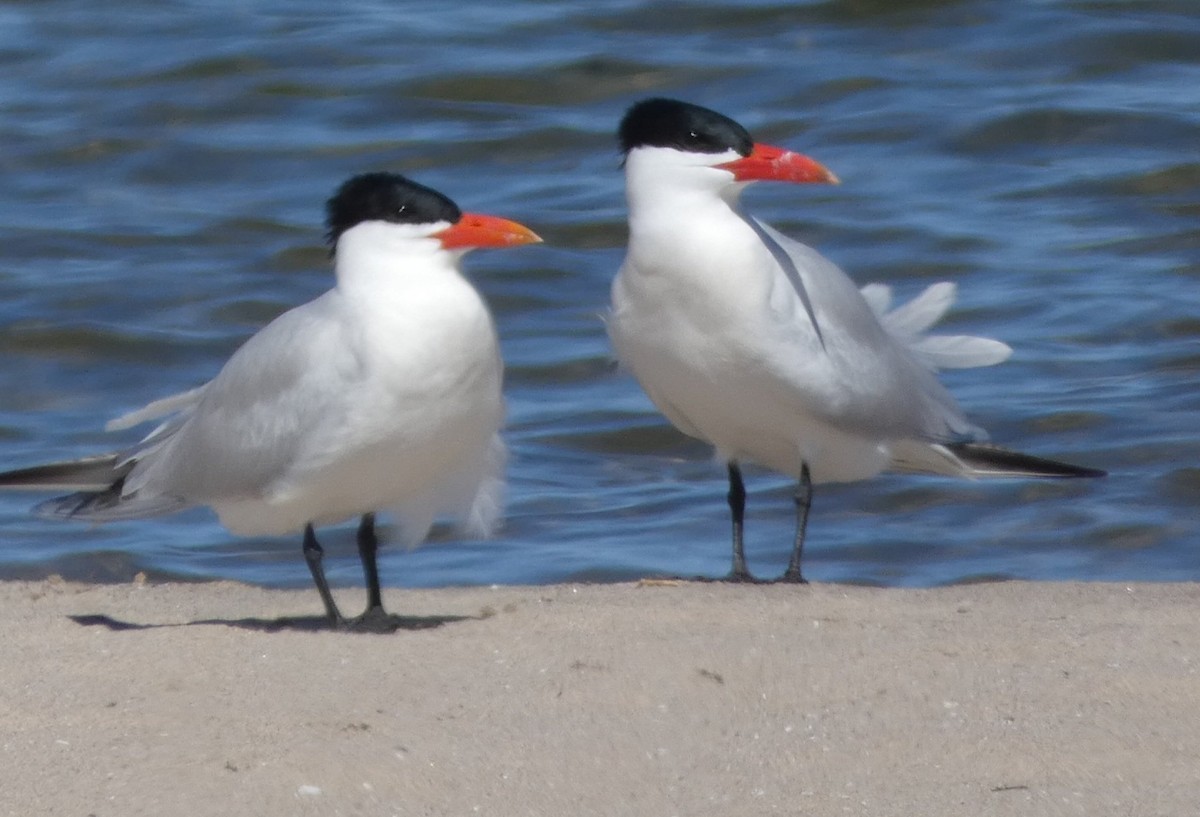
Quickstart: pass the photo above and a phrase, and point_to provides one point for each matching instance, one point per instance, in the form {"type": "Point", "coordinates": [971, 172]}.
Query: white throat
{"type": "Point", "coordinates": [377, 256]}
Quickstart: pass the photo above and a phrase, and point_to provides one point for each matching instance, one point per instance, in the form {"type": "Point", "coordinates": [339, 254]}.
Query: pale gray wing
{"type": "Point", "coordinates": [279, 397]}
{"type": "Point", "coordinates": [862, 376]}
{"type": "Point", "coordinates": [231, 437]}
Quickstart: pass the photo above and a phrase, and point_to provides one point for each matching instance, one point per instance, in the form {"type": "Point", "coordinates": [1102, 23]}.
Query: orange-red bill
{"type": "Point", "coordinates": [475, 230]}
{"type": "Point", "coordinates": [769, 163]}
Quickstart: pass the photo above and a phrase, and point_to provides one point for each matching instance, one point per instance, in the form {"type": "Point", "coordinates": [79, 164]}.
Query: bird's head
{"type": "Point", "coordinates": [394, 209]}
{"type": "Point", "coordinates": [666, 141]}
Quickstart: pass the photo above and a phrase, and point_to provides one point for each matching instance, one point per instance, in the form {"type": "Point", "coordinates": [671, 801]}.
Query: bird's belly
{"type": "Point", "coordinates": [429, 461]}
{"type": "Point", "coordinates": [746, 415]}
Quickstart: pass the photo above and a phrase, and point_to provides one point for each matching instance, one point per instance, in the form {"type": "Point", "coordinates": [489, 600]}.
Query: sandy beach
{"type": "Point", "coordinates": [696, 699]}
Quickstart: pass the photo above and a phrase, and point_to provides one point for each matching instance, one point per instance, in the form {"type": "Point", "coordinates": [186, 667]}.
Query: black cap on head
{"type": "Point", "coordinates": [669, 123]}
{"type": "Point", "coordinates": [385, 197]}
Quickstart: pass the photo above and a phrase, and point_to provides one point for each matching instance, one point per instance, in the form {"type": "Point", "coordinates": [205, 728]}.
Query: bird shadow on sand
{"type": "Point", "coordinates": [310, 624]}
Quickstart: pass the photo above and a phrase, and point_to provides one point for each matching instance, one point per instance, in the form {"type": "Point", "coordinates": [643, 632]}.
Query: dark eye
{"type": "Point", "coordinates": [694, 140]}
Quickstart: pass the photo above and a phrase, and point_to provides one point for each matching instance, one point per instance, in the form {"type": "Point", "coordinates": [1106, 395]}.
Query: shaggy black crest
{"type": "Point", "coordinates": [669, 123]}
{"type": "Point", "coordinates": [385, 197]}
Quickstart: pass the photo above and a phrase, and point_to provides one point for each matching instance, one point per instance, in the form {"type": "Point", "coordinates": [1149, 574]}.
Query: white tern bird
{"type": "Point", "coordinates": [761, 347]}
{"type": "Point", "coordinates": [383, 394]}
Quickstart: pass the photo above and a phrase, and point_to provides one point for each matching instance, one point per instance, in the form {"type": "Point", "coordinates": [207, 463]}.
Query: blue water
{"type": "Point", "coordinates": [164, 166]}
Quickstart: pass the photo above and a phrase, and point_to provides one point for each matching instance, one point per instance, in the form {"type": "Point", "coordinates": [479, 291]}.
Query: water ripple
{"type": "Point", "coordinates": [165, 171]}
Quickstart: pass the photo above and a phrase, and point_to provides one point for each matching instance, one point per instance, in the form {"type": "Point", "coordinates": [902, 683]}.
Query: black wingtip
{"type": "Point", "coordinates": [1000, 461]}
{"type": "Point", "coordinates": [96, 473]}
{"type": "Point", "coordinates": [81, 503]}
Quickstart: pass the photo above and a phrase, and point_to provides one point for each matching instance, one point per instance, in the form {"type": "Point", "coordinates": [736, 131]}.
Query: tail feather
{"type": "Point", "coordinates": [159, 408]}
{"type": "Point", "coordinates": [908, 323]}
{"type": "Point", "coordinates": [961, 351]}
{"type": "Point", "coordinates": [981, 460]}
{"type": "Point", "coordinates": [923, 311]}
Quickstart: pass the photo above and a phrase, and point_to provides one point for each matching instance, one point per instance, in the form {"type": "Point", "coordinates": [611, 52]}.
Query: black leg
{"type": "Point", "coordinates": [368, 546]}
{"type": "Point", "coordinates": [313, 555]}
{"type": "Point", "coordinates": [737, 508]}
{"type": "Point", "coordinates": [804, 493]}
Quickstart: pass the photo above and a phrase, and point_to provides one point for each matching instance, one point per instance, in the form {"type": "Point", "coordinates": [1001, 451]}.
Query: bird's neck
{"type": "Point", "coordinates": [684, 229]}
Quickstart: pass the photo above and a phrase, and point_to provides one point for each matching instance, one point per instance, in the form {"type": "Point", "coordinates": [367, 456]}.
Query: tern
{"type": "Point", "coordinates": [759, 346]}
{"type": "Point", "coordinates": [383, 394]}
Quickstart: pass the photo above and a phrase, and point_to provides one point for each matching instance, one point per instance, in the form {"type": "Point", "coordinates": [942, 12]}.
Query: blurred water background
{"type": "Point", "coordinates": [163, 167]}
